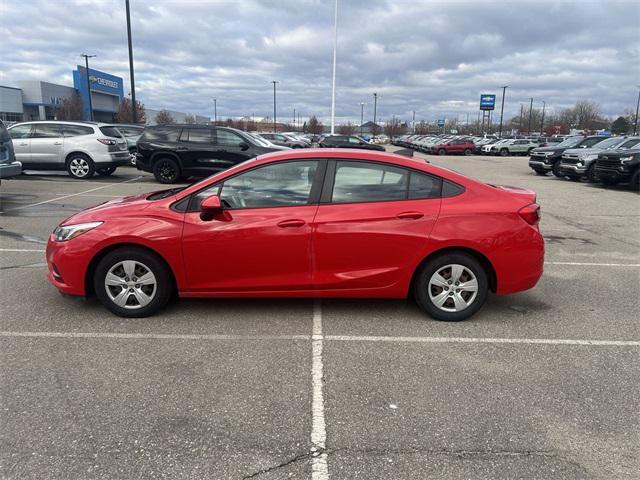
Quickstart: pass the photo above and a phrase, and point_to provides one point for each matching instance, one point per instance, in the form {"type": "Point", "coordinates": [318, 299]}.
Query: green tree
{"type": "Point", "coordinates": [620, 125]}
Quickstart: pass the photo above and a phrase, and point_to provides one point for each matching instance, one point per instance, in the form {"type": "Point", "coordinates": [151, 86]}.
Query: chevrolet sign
{"type": "Point", "coordinates": [487, 102]}
{"type": "Point", "coordinates": [103, 81]}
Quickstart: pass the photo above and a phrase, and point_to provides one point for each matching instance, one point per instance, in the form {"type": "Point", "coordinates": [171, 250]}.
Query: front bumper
{"type": "Point", "coordinates": [540, 165]}
{"type": "Point", "coordinates": [12, 169]}
{"type": "Point", "coordinates": [616, 175]}
{"type": "Point", "coordinates": [67, 263]}
{"type": "Point", "coordinates": [572, 170]}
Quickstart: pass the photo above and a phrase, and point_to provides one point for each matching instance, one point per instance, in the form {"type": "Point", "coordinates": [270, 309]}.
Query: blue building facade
{"type": "Point", "coordinates": [107, 92]}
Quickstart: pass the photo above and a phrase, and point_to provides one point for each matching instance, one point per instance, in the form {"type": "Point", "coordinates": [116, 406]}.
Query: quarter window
{"type": "Point", "coordinates": [368, 182]}
{"type": "Point", "coordinates": [424, 186]}
{"type": "Point", "coordinates": [76, 130]}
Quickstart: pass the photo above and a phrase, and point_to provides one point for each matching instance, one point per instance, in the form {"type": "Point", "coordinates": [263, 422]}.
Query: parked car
{"type": "Point", "coordinates": [284, 140]}
{"type": "Point", "coordinates": [439, 236]}
{"type": "Point", "coordinates": [619, 166]}
{"type": "Point", "coordinates": [348, 141]}
{"type": "Point", "coordinates": [9, 166]}
{"type": "Point", "coordinates": [131, 134]}
{"type": "Point", "coordinates": [580, 162]}
{"type": "Point", "coordinates": [547, 159]}
{"type": "Point", "coordinates": [80, 148]}
{"type": "Point", "coordinates": [486, 149]}
{"type": "Point", "coordinates": [172, 152]}
{"type": "Point", "coordinates": [514, 147]}
{"type": "Point", "coordinates": [457, 145]}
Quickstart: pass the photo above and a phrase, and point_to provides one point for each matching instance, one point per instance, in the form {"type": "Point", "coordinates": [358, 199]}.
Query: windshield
{"type": "Point", "coordinates": [610, 143]}
{"type": "Point", "coordinates": [570, 142]}
{"type": "Point", "coordinates": [630, 143]}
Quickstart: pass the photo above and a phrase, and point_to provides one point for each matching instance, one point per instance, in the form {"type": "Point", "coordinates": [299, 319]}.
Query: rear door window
{"type": "Point", "coordinates": [357, 182]}
{"type": "Point", "coordinates": [197, 135]}
{"type": "Point", "coordinates": [161, 134]}
{"type": "Point", "coordinates": [47, 130]}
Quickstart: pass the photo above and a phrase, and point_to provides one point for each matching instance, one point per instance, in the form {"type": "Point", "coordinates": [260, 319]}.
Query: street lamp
{"type": "Point", "coordinates": [86, 71]}
{"type": "Point", "coordinates": [635, 124]}
{"type": "Point", "coordinates": [274, 104]}
{"type": "Point", "coordinates": [134, 110]}
{"type": "Point", "coordinates": [530, 113]}
{"type": "Point", "coordinates": [215, 111]}
{"type": "Point", "coordinates": [294, 119]}
{"type": "Point", "coordinates": [335, 50]}
{"type": "Point", "coordinates": [504, 91]}
{"type": "Point", "coordinates": [375, 106]}
{"type": "Point", "coordinates": [544, 105]}
{"type": "Point", "coordinates": [414, 121]}
{"type": "Point", "coordinates": [361, 116]}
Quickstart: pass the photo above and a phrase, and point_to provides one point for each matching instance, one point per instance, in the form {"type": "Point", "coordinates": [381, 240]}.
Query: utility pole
{"type": "Point", "coordinates": [294, 119]}
{"type": "Point", "coordinates": [361, 116]}
{"type": "Point", "coordinates": [414, 122]}
{"type": "Point", "coordinates": [530, 116]}
{"type": "Point", "coordinates": [274, 104]}
{"type": "Point", "coordinates": [521, 117]}
{"type": "Point", "coordinates": [134, 110]}
{"type": "Point", "coordinates": [215, 111]}
{"type": "Point", "coordinates": [333, 88]}
{"type": "Point", "coordinates": [544, 104]}
{"type": "Point", "coordinates": [375, 106]}
{"type": "Point", "coordinates": [86, 71]}
{"type": "Point", "coordinates": [504, 91]}
{"type": "Point", "coordinates": [635, 124]}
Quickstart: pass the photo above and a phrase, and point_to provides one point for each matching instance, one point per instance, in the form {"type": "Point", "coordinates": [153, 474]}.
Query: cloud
{"type": "Point", "coordinates": [432, 57]}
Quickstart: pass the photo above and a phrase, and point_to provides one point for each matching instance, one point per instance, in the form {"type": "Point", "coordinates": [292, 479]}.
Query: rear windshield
{"type": "Point", "coordinates": [110, 132]}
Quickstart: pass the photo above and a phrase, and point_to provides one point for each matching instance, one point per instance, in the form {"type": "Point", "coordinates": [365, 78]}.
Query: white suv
{"type": "Point", "coordinates": [80, 148]}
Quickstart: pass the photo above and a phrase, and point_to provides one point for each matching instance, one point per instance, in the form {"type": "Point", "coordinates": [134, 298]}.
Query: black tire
{"type": "Point", "coordinates": [161, 293]}
{"type": "Point", "coordinates": [592, 176]}
{"type": "Point", "coordinates": [106, 171]}
{"type": "Point", "coordinates": [556, 169]}
{"type": "Point", "coordinates": [132, 153]}
{"type": "Point", "coordinates": [635, 181]}
{"type": "Point", "coordinates": [166, 170]}
{"type": "Point", "coordinates": [609, 182]}
{"type": "Point", "coordinates": [442, 151]}
{"type": "Point", "coordinates": [80, 166]}
{"type": "Point", "coordinates": [542, 173]}
{"type": "Point", "coordinates": [504, 152]}
{"type": "Point", "coordinates": [572, 178]}
{"type": "Point", "coordinates": [467, 151]}
{"type": "Point", "coordinates": [421, 287]}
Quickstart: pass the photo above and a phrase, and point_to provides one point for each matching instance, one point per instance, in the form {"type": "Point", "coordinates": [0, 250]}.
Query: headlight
{"type": "Point", "coordinates": [548, 154]}
{"type": "Point", "coordinates": [67, 232]}
{"type": "Point", "coordinates": [626, 159]}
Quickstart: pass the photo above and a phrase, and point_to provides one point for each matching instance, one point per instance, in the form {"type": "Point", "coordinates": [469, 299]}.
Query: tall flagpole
{"type": "Point", "coordinates": [333, 89]}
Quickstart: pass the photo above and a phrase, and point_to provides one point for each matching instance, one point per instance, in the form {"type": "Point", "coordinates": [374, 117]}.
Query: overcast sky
{"type": "Point", "coordinates": [432, 57]}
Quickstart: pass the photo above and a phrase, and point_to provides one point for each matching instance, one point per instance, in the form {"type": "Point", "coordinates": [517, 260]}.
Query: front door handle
{"type": "Point", "coordinates": [57, 143]}
{"type": "Point", "coordinates": [410, 215]}
{"type": "Point", "coordinates": [24, 144]}
{"type": "Point", "coordinates": [291, 223]}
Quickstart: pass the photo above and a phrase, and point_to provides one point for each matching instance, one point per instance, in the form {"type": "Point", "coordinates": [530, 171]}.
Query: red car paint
{"type": "Point", "coordinates": [322, 250]}
{"type": "Point", "coordinates": [454, 146]}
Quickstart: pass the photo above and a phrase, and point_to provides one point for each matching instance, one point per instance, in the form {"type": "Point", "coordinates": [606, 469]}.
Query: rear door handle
{"type": "Point", "coordinates": [57, 143]}
{"type": "Point", "coordinates": [291, 223]}
{"type": "Point", "coordinates": [410, 215]}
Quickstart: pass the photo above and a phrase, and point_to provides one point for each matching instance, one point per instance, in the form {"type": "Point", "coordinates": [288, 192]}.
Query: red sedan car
{"type": "Point", "coordinates": [312, 223]}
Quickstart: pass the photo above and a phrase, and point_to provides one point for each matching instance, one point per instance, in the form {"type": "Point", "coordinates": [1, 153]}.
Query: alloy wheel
{"type": "Point", "coordinates": [79, 167]}
{"type": "Point", "coordinates": [130, 284]}
{"type": "Point", "coordinates": [453, 288]}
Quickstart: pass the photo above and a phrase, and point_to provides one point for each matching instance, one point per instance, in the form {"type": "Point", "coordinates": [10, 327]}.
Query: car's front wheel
{"type": "Point", "coordinates": [504, 152]}
{"type": "Point", "coordinates": [442, 151]}
{"type": "Point", "coordinates": [556, 170]}
{"type": "Point", "coordinates": [132, 282]}
{"type": "Point", "coordinates": [467, 151]}
{"type": "Point", "coordinates": [451, 287]}
{"type": "Point", "coordinates": [166, 170]}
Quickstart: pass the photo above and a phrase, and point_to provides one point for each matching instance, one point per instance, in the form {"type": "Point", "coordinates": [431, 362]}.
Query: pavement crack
{"type": "Point", "coordinates": [304, 456]}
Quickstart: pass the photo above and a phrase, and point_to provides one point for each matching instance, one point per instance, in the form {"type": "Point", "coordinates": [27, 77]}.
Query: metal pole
{"type": "Point", "coordinates": [361, 116]}
{"type": "Point", "coordinates": [544, 104]}
{"type": "Point", "coordinates": [86, 71]}
{"type": "Point", "coordinates": [530, 116]}
{"type": "Point", "coordinates": [504, 91]}
{"type": "Point", "coordinates": [414, 122]}
{"type": "Point", "coordinates": [134, 110]}
{"type": "Point", "coordinates": [274, 104]}
{"type": "Point", "coordinates": [375, 106]}
{"type": "Point", "coordinates": [333, 88]}
{"type": "Point", "coordinates": [635, 124]}
{"type": "Point", "coordinates": [294, 119]}
{"type": "Point", "coordinates": [521, 117]}
{"type": "Point", "coordinates": [215, 111]}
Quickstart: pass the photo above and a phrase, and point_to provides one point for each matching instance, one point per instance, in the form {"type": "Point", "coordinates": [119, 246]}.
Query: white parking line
{"type": "Point", "coordinates": [530, 341]}
{"type": "Point", "coordinates": [589, 264]}
{"type": "Point", "coordinates": [319, 468]}
{"type": "Point", "coordinates": [73, 194]}
{"type": "Point", "coordinates": [21, 250]}
{"type": "Point", "coordinates": [152, 336]}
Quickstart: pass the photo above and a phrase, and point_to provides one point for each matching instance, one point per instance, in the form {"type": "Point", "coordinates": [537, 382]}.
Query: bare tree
{"type": "Point", "coordinates": [347, 129]}
{"type": "Point", "coordinates": [164, 118]}
{"type": "Point", "coordinates": [314, 126]}
{"type": "Point", "coordinates": [70, 108]}
{"type": "Point", "coordinates": [394, 127]}
{"type": "Point", "coordinates": [189, 119]}
{"type": "Point", "coordinates": [587, 114]}
{"type": "Point", "coordinates": [125, 113]}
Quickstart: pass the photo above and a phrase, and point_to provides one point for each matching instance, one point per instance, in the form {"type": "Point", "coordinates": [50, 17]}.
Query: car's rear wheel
{"type": "Point", "coordinates": [451, 287]}
{"type": "Point", "coordinates": [80, 166]}
{"type": "Point", "coordinates": [442, 151]}
{"type": "Point", "coordinates": [504, 152]}
{"type": "Point", "coordinates": [106, 171]}
{"type": "Point", "coordinates": [166, 170]}
{"type": "Point", "coordinates": [592, 176]}
{"type": "Point", "coordinates": [132, 282]}
{"type": "Point", "coordinates": [132, 156]}
{"type": "Point", "coordinates": [467, 151]}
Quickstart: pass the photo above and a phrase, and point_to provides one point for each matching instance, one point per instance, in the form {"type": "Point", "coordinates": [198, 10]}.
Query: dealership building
{"type": "Point", "coordinates": [39, 100]}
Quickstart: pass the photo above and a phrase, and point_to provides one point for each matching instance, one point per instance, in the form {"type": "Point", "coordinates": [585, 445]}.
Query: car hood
{"type": "Point", "coordinates": [583, 151]}
{"type": "Point", "coordinates": [116, 207]}
{"type": "Point", "coordinates": [548, 149]}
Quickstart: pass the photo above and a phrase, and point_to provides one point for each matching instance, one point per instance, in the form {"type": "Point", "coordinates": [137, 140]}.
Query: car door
{"type": "Point", "coordinates": [21, 138]}
{"type": "Point", "coordinates": [232, 148]}
{"type": "Point", "coordinates": [373, 224]}
{"type": "Point", "coordinates": [46, 146]}
{"type": "Point", "coordinates": [262, 241]}
{"type": "Point", "coordinates": [197, 150]}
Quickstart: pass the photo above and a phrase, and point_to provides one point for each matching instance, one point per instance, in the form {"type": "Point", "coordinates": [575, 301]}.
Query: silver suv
{"type": "Point", "coordinates": [80, 148]}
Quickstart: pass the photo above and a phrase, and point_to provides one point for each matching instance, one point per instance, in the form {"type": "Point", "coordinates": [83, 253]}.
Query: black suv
{"type": "Point", "coordinates": [348, 141]}
{"type": "Point", "coordinates": [619, 166]}
{"type": "Point", "coordinates": [172, 152]}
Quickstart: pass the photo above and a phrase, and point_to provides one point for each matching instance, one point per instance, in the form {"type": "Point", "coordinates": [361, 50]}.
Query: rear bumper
{"type": "Point", "coordinates": [112, 159]}
{"type": "Point", "coordinates": [12, 169]}
{"type": "Point", "coordinates": [528, 255]}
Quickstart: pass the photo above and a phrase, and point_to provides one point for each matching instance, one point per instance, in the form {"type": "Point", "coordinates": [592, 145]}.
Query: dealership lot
{"type": "Point", "coordinates": [542, 384]}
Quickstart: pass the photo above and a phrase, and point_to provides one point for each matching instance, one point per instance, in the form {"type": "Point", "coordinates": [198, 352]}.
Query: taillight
{"type": "Point", "coordinates": [531, 214]}
{"type": "Point", "coordinates": [107, 141]}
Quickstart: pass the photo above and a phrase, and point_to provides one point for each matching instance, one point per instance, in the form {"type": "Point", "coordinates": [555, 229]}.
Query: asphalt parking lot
{"type": "Point", "coordinates": [542, 384]}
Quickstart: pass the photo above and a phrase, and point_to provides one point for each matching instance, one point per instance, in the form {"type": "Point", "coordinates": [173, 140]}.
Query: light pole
{"type": "Point", "coordinates": [521, 116]}
{"type": "Point", "coordinates": [274, 104]}
{"type": "Point", "coordinates": [294, 119]}
{"type": "Point", "coordinates": [86, 71]}
{"type": "Point", "coordinates": [530, 116]}
{"type": "Point", "coordinates": [504, 91]}
{"type": "Point", "coordinates": [414, 122]}
{"type": "Point", "coordinates": [134, 110]}
{"type": "Point", "coordinates": [635, 124]}
{"type": "Point", "coordinates": [375, 106]}
{"type": "Point", "coordinates": [544, 105]}
{"type": "Point", "coordinates": [361, 116]}
{"type": "Point", "coordinates": [215, 111]}
{"type": "Point", "coordinates": [335, 50]}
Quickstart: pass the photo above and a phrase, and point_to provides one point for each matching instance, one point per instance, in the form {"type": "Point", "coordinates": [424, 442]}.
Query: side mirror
{"type": "Point", "coordinates": [243, 146]}
{"type": "Point", "coordinates": [210, 207]}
